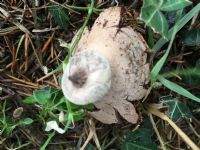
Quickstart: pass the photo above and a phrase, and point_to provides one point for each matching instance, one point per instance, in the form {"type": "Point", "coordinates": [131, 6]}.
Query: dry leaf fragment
{"type": "Point", "coordinates": [18, 112]}
{"type": "Point", "coordinates": [52, 125]}
{"type": "Point", "coordinates": [124, 49]}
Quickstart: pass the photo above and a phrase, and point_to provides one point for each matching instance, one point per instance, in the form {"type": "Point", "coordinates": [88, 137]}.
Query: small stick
{"type": "Point", "coordinates": [157, 133]}
{"type": "Point", "coordinates": [23, 93]}
{"type": "Point", "coordinates": [25, 85]}
{"type": "Point", "coordinates": [22, 81]}
{"type": "Point", "coordinates": [55, 79]}
{"type": "Point", "coordinates": [53, 84]}
{"type": "Point", "coordinates": [36, 53]}
{"type": "Point", "coordinates": [26, 50]}
{"type": "Point", "coordinates": [48, 42]}
{"type": "Point", "coordinates": [59, 68]}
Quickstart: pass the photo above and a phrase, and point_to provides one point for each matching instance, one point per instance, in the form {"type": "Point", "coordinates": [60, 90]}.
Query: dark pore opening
{"type": "Point", "coordinates": [78, 78]}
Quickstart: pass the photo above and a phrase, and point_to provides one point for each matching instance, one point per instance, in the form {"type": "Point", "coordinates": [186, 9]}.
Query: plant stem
{"type": "Point", "coordinates": [157, 133]}
{"type": "Point", "coordinates": [190, 71]}
{"type": "Point", "coordinates": [74, 44]}
{"type": "Point", "coordinates": [50, 136]}
{"type": "Point", "coordinates": [83, 8]}
{"type": "Point", "coordinates": [59, 68]}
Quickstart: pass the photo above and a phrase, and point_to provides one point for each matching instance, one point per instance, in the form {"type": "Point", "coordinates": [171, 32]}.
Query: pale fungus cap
{"type": "Point", "coordinates": [86, 78]}
{"type": "Point", "coordinates": [114, 87]}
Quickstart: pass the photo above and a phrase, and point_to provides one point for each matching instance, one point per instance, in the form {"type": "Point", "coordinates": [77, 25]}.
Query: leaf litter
{"type": "Point", "coordinates": [18, 77]}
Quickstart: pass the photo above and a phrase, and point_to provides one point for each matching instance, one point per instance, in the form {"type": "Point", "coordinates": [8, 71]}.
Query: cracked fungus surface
{"type": "Point", "coordinates": [125, 49]}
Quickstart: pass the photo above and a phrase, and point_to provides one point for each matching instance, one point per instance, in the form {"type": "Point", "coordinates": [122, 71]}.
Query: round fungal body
{"type": "Point", "coordinates": [107, 47]}
{"type": "Point", "coordinates": [86, 78]}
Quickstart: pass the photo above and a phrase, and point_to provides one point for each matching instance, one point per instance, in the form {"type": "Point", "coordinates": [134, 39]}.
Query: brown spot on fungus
{"type": "Point", "coordinates": [79, 78]}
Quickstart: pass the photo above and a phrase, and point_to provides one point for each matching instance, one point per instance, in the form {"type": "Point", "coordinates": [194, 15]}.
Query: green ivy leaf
{"type": "Point", "coordinates": [60, 17]}
{"type": "Point", "coordinates": [153, 17]}
{"type": "Point", "coordinates": [151, 13]}
{"type": "Point", "coordinates": [191, 38]}
{"type": "Point", "coordinates": [172, 5]}
{"type": "Point", "coordinates": [139, 139]}
{"type": "Point", "coordinates": [177, 109]}
{"type": "Point", "coordinates": [180, 23]}
{"type": "Point", "coordinates": [42, 96]}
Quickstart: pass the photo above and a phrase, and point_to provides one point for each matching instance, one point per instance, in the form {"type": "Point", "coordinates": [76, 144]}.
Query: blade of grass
{"type": "Point", "coordinates": [178, 89]}
{"type": "Point", "coordinates": [18, 46]}
{"type": "Point", "coordinates": [83, 8]}
{"type": "Point", "coordinates": [179, 24]}
{"type": "Point", "coordinates": [156, 69]}
{"type": "Point", "coordinates": [74, 44]}
{"type": "Point", "coordinates": [59, 68]}
{"type": "Point", "coordinates": [190, 71]}
{"type": "Point", "coordinates": [90, 10]}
